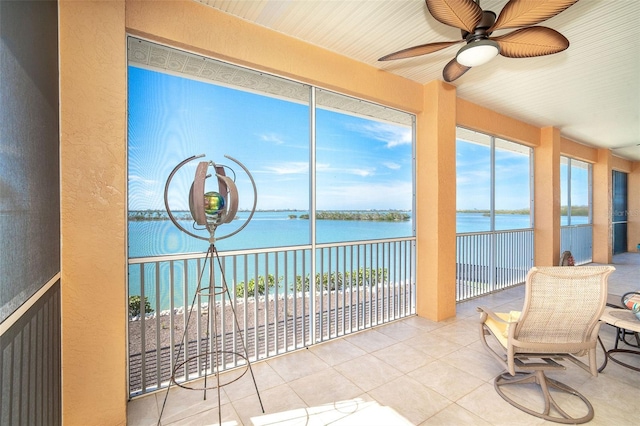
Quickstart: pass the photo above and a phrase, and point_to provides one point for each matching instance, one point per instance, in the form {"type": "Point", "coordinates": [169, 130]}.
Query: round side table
{"type": "Point", "coordinates": [624, 321]}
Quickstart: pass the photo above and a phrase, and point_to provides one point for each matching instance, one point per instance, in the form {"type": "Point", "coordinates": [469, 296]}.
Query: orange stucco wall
{"type": "Point", "coordinates": [602, 187]}
{"type": "Point", "coordinates": [578, 151]}
{"type": "Point", "coordinates": [621, 165]}
{"type": "Point", "coordinates": [93, 205]}
{"type": "Point", "coordinates": [633, 228]}
{"type": "Point", "coordinates": [481, 119]}
{"type": "Point", "coordinates": [436, 203]}
{"type": "Point", "coordinates": [547, 198]}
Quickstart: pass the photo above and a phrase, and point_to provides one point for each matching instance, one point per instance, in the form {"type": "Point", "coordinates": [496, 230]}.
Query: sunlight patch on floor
{"type": "Point", "coordinates": [354, 411]}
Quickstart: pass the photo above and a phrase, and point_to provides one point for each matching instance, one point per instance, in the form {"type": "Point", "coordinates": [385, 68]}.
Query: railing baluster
{"type": "Point", "coordinates": [304, 292]}
{"type": "Point", "coordinates": [276, 325]}
{"type": "Point", "coordinates": [143, 328]}
{"type": "Point", "coordinates": [157, 321]}
{"type": "Point", "coordinates": [245, 306]}
{"type": "Point", "coordinates": [294, 292]}
{"type": "Point", "coordinates": [185, 308]}
{"type": "Point", "coordinates": [285, 305]}
{"type": "Point", "coordinates": [234, 305]}
{"type": "Point", "coordinates": [339, 289]}
{"type": "Point", "coordinates": [256, 319]}
{"type": "Point", "coordinates": [345, 305]}
{"type": "Point", "coordinates": [172, 309]}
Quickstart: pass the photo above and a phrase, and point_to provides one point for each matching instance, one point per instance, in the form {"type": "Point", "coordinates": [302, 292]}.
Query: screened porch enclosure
{"type": "Point", "coordinates": [330, 249]}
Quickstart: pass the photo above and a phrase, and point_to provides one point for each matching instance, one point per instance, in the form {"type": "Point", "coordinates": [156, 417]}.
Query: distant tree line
{"type": "Point", "coordinates": [151, 215]}
{"type": "Point", "coordinates": [575, 211]}
{"type": "Point", "coordinates": [373, 216]}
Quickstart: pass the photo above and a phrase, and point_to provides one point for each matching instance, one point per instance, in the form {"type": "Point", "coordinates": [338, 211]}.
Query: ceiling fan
{"type": "Point", "coordinates": [477, 25]}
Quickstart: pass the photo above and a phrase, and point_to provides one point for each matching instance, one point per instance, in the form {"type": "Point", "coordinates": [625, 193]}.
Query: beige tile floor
{"type": "Point", "coordinates": [410, 372]}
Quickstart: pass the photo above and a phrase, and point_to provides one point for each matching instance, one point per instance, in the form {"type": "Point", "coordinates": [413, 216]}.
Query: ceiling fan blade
{"type": "Point", "coordinates": [530, 42]}
{"type": "Point", "coordinates": [423, 49]}
{"type": "Point", "coordinates": [522, 13]}
{"type": "Point", "coordinates": [453, 70]}
{"type": "Point", "coordinates": [463, 14]}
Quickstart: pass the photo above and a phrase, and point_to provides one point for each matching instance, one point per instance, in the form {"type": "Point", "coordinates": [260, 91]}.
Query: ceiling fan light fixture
{"type": "Point", "coordinates": [477, 53]}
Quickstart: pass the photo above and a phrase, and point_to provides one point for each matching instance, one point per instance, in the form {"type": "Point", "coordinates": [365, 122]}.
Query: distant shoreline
{"type": "Point", "coordinates": [364, 215]}
{"type": "Point", "coordinates": [575, 211]}
{"type": "Point", "coordinates": [356, 215]}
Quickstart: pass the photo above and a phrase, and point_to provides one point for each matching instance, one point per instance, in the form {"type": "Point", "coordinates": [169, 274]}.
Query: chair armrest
{"type": "Point", "coordinates": [486, 312]}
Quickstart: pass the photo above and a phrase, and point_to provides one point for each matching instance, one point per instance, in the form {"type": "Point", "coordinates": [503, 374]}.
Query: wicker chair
{"type": "Point", "coordinates": [559, 320]}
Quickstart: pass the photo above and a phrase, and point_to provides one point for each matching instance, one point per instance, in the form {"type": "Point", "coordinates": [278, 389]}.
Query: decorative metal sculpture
{"type": "Point", "coordinates": [210, 209]}
{"type": "Point", "coordinates": [214, 208]}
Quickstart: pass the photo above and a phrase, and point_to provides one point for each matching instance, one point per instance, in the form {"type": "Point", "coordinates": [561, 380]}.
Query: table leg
{"type": "Point", "coordinates": [606, 355]}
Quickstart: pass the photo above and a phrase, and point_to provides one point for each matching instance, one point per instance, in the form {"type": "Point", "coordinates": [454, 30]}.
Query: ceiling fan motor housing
{"type": "Point", "coordinates": [480, 32]}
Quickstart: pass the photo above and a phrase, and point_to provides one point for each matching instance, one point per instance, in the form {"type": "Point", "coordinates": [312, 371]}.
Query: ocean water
{"type": "Point", "coordinates": [266, 229]}
{"type": "Point", "coordinates": [277, 229]}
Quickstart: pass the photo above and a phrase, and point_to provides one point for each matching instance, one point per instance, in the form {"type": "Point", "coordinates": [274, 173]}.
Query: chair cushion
{"type": "Point", "coordinates": [501, 329]}
{"type": "Point", "coordinates": [632, 301]}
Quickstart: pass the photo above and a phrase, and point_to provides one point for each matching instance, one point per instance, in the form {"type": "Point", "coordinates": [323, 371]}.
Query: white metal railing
{"type": "Point", "coordinates": [578, 239]}
{"type": "Point", "coordinates": [357, 285]}
{"type": "Point", "coordinates": [490, 261]}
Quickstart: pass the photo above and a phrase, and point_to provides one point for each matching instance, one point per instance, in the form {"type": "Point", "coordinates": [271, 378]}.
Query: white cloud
{"type": "Point", "coordinates": [363, 172]}
{"type": "Point", "coordinates": [287, 168]}
{"type": "Point", "coordinates": [391, 165]}
{"type": "Point", "coordinates": [141, 180]}
{"type": "Point", "coordinates": [271, 137]}
{"type": "Point", "coordinates": [295, 168]}
{"type": "Point", "coordinates": [360, 172]}
{"type": "Point", "coordinates": [391, 135]}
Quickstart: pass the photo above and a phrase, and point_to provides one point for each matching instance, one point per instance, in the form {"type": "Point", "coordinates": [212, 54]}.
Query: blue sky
{"type": "Point", "coordinates": [473, 175]}
{"type": "Point", "coordinates": [360, 163]}
{"type": "Point", "coordinates": [473, 178]}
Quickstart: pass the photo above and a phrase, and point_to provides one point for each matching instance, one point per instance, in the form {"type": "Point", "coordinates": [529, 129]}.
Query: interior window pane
{"type": "Point", "coordinates": [564, 191]}
{"type": "Point", "coordinates": [512, 185]}
{"type": "Point", "coordinates": [364, 166]}
{"type": "Point", "coordinates": [579, 192]}
{"type": "Point", "coordinates": [190, 105]}
{"type": "Point", "coordinates": [473, 181]}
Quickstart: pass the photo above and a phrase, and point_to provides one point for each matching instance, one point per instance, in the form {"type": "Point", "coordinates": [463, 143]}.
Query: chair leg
{"type": "Point", "coordinates": [538, 377]}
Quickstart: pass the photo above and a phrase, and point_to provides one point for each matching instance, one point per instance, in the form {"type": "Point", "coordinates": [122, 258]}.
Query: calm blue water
{"type": "Point", "coordinates": [266, 229]}
{"type": "Point", "coordinates": [478, 222]}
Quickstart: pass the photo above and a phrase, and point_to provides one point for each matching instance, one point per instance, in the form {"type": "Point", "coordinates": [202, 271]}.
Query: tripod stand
{"type": "Point", "coordinates": [214, 356]}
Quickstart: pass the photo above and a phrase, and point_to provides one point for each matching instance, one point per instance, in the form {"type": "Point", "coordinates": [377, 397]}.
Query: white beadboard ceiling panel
{"type": "Point", "coordinates": [591, 91]}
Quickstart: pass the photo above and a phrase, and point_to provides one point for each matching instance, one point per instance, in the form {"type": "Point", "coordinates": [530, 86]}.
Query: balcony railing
{"type": "Point", "coordinates": [578, 239]}
{"type": "Point", "coordinates": [490, 261]}
{"type": "Point", "coordinates": [273, 304]}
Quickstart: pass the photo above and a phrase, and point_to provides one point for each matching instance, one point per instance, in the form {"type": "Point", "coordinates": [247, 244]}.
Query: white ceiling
{"type": "Point", "coordinates": [591, 91]}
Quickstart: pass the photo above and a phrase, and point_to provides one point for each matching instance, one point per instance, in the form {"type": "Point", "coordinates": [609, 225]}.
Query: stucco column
{"type": "Point", "coordinates": [602, 187]}
{"type": "Point", "coordinates": [633, 216]}
{"type": "Point", "coordinates": [547, 198]}
{"type": "Point", "coordinates": [93, 208]}
{"type": "Point", "coordinates": [436, 203]}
